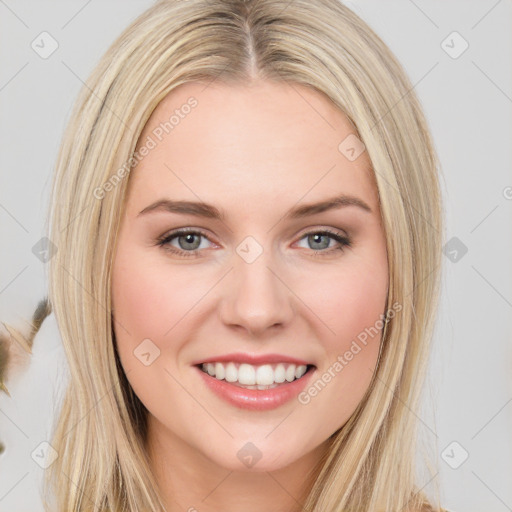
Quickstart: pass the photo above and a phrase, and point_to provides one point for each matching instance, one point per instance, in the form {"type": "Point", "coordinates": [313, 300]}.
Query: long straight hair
{"type": "Point", "coordinates": [100, 431]}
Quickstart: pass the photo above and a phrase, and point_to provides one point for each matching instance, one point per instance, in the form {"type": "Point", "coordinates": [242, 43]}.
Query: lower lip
{"type": "Point", "coordinates": [256, 399]}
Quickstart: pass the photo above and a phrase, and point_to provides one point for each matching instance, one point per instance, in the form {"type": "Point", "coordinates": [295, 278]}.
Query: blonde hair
{"type": "Point", "coordinates": [101, 428]}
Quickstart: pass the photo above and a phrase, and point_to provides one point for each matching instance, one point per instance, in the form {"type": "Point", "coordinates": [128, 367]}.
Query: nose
{"type": "Point", "coordinates": [256, 297]}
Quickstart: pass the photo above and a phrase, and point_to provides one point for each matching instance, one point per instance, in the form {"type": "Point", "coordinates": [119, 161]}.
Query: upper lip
{"type": "Point", "coordinates": [254, 359]}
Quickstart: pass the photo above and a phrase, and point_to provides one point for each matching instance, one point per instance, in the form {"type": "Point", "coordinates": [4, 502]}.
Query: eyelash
{"type": "Point", "coordinates": [166, 239]}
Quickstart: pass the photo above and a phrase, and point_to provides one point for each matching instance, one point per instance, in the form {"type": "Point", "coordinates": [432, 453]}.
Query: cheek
{"type": "Point", "coordinates": [351, 305]}
{"type": "Point", "coordinates": [148, 300]}
{"type": "Point", "coordinates": [151, 302]}
{"type": "Point", "coordinates": [148, 292]}
{"type": "Point", "coordinates": [349, 297]}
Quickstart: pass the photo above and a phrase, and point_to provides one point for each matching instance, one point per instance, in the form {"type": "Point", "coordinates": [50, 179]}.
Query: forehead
{"type": "Point", "coordinates": [268, 140]}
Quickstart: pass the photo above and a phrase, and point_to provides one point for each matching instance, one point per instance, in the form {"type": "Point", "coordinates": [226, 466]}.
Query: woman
{"type": "Point", "coordinates": [285, 351]}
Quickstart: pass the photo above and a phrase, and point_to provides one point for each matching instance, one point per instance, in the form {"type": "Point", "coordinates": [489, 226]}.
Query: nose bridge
{"type": "Point", "coordinates": [257, 298]}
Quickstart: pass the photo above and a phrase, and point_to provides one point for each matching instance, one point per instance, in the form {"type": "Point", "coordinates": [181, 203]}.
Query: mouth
{"type": "Point", "coordinates": [256, 377]}
{"type": "Point", "coordinates": [256, 387]}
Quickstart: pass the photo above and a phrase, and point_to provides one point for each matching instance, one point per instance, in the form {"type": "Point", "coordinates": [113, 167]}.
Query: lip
{"type": "Point", "coordinates": [256, 399]}
{"type": "Point", "coordinates": [254, 359]}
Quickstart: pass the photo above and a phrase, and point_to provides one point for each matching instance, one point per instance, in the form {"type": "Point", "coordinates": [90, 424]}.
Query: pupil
{"type": "Point", "coordinates": [189, 240]}
{"type": "Point", "coordinates": [316, 238]}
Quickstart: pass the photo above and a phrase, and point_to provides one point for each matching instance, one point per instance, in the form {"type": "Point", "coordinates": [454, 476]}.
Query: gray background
{"type": "Point", "coordinates": [468, 102]}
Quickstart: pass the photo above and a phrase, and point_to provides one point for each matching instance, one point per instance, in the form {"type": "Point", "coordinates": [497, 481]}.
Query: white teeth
{"type": "Point", "coordinates": [279, 374]}
{"type": "Point", "coordinates": [255, 377]}
{"type": "Point", "coordinates": [219, 371]}
{"type": "Point", "coordinates": [290, 373]}
{"type": "Point", "coordinates": [264, 375]}
{"type": "Point", "coordinates": [231, 372]}
{"type": "Point", "coordinates": [246, 375]}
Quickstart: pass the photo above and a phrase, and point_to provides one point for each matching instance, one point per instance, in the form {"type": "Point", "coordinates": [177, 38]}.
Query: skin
{"type": "Point", "coordinates": [291, 300]}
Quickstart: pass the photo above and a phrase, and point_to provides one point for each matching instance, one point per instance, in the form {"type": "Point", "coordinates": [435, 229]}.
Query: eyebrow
{"type": "Point", "coordinates": [206, 210]}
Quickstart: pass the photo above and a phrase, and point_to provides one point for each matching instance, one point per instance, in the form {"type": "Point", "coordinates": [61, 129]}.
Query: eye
{"type": "Point", "coordinates": [189, 242]}
{"type": "Point", "coordinates": [321, 240]}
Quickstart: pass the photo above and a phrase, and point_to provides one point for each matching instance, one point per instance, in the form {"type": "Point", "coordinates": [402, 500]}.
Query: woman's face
{"type": "Point", "coordinates": [261, 273]}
